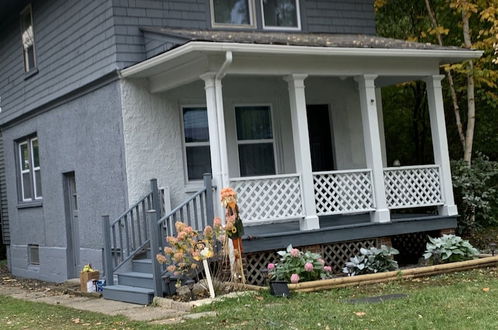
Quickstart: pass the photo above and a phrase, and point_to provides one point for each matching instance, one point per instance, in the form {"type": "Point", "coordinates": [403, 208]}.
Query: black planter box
{"type": "Point", "coordinates": [279, 289]}
{"type": "Point", "coordinates": [169, 285]}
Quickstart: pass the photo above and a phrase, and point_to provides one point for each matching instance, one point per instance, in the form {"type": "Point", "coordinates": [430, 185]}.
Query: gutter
{"type": "Point", "coordinates": [202, 46]}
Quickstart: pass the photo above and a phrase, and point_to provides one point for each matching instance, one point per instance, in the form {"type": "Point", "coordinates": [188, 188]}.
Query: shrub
{"type": "Point", "coordinates": [298, 266]}
{"type": "Point", "coordinates": [476, 192]}
{"type": "Point", "coordinates": [449, 248]}
{"type": "Point", "coordinates": [372, 260]}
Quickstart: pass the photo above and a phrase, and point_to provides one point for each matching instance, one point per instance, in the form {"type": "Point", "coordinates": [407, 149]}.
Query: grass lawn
{"type": "Point", "coordinates": [466, 300]}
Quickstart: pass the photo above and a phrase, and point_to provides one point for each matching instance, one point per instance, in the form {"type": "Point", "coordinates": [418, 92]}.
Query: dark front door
{"type": "Point", "coordinates": [322, 157]}
{"type": "Point", "coordinates": [72, 225]}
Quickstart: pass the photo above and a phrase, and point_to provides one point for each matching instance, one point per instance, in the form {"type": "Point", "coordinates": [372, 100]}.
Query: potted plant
{"type": "Point", "coordinates": [296, 266]}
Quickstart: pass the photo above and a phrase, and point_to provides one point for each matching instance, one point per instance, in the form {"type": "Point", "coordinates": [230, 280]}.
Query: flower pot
{"type": "Point", "coordinates": [170, 285]}
{"type": "Point", "coordinates": [279, 289]}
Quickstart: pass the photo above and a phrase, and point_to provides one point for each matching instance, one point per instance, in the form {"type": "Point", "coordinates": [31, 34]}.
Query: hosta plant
{"type": "Point", "coordinates": [449, 248]}
{"type": "Point", "coordinates": [298, 266]}
{"type": "Point", "coordinates": [373, 260]}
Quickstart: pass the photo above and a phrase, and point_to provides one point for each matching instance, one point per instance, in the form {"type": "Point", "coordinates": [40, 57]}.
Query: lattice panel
{"type": "Point", "coordinates": [334, 254]}
{"type": "Point", "coordinates": [337, 254]}
{"type": "Point", "coordinates": [269, 198]}
{"type": "Point", "coordinates": [411, 246]}
{"type": "Point", "coordinates": [343, 192]}
{"type": "Point", "coordinates": [255, 262]}
{"type": "Point", "coordinates": [412, 187]}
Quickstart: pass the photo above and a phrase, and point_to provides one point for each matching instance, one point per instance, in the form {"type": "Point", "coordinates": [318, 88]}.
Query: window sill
{"type": "Point", "coordinates": [27, 205]}
{"type": "Point", "coordinates": [30, 73]}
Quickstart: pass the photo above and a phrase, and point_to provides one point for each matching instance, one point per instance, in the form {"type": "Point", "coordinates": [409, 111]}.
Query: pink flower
{"type": "Point", "coordinates": [294, 253]}
{"type": "Point", "coordinates": [328, 269]}
{"type": "Point", "coordinates": [294, 278]}
{"type": "Point", "coordinates": [271, 266]}
{"type": "Point", "coordinates": [308, 267]}
{"type": "Point", "coordinates": [321, 261]}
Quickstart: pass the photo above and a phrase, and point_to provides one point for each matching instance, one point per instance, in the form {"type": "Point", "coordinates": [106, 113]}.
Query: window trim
{"type": "Point", "coordinates": [186, 144]}
{"type": "Point", "coordinates": [34, 69]}
{"type": "Point", "coordinates": [28, 141]}
{"type": "Point", "coordinates": [256, 141]}
{"type": "Point", "coordinates": [252, 18]}
{"type": "Point", "coordinates": [282, 28]}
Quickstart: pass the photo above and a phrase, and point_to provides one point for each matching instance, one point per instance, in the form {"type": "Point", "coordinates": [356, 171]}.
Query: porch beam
{"type": "Point", "coordinates": [440, 143]}
{"type": "Point", "coordinates": [373, 148]}
{"type": "Point", "coordinates": [302, 151]}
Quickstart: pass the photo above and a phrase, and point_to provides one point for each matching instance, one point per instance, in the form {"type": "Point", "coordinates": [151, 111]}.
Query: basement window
{"type": "Point", "coordinates": [28, 39]}
{"type": "Point", "coordinates": [34, 254]}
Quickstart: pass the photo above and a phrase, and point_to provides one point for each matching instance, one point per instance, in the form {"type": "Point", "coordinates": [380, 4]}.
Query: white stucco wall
{"type": "Point", "coordinates": [153, 137]}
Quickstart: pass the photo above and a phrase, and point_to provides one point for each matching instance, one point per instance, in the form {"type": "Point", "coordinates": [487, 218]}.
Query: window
{"type": "Point", "coordinates": [29, 170]}
{"type": "Point", "coordinates": [196, 135]}
{"type": "Point", "coordinates": [281, 14]}
{"type": "Point", "coordinates": [28, 39]}
{"type": "Point", "coordinates": [255, 140]}
{"type": "Point", "coordinates": [34, 254]}
{"type": "Point", "coordinates": [232, 13]}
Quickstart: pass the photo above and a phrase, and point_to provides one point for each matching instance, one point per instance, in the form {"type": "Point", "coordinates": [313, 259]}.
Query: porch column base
{"type": "Point", "coordinates": [309, 222]}
{"type": "Point", "coordinates": [380, 215]}
{"type": "Point", "coordinates": [447, 210]}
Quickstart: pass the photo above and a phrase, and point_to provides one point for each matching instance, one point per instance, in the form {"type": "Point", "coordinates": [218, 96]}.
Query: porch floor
{"type": "Point", "coordinates": [340, 228]}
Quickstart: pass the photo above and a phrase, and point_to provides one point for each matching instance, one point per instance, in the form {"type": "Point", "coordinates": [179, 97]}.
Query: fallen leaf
{"type": "Point", "coordinates": [259, 298]}
{"type": "Point", "coordinates": [485, 289]}
{"type": "Point", "coordinates": [77, 320]}
{"type": "Point", "coordinates": [360, 314]}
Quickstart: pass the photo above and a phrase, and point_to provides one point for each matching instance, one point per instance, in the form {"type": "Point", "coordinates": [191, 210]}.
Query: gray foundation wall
{"type": "Point", "coordinates": [83, 135]}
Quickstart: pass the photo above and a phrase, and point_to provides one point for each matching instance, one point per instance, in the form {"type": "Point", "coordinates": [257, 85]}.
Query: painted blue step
{"type": "Point", "coordinates": [129, 294]}
{"type": "Point", "coordinates": [141, 265]}
{"type": "Point", "coordinates": [137, 279]}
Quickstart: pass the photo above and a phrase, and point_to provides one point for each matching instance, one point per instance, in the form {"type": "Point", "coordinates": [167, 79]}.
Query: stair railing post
{"type": "Point", "coordinates": [208, 183]}
{"type": "Point", "coordinates": [109, 271]}
{"type": "Point", "coordinates": [154, 250]}
{"type": "Point", "coordinates": [156, 204]}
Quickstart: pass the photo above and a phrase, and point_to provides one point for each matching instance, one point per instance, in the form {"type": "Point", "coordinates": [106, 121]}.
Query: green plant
{"type": "Point", "coordinates": [298, 266]}
{"type": "Point", "coordinates": [449, 248]}
{"type": "Point", "coordinates": [373, 260]}
{"type": "Point", "coordinates": [476, 191]}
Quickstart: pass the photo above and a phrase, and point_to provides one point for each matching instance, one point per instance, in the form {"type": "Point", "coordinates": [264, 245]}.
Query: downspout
{"type": "Point", "coordinates": [222, 139]}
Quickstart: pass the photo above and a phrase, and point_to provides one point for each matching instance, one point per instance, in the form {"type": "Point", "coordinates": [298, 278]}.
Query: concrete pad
{"type": "Point", "coordinates": [109, 307]}
{"type": "Point", "coordinates": [196, 316]}
{"type": "Point", "coordinates": [150, 314]}
{"type": "Point", "coordinates": [60, 300]}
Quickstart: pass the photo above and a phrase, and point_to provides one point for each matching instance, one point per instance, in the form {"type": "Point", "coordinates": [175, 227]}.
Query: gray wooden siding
{"type": "Point", "coordinates": [4, 214]}
{"type": "Point", "coordinates": [74, 44]}
{"type": "Point", "coordinates": [340, 16]}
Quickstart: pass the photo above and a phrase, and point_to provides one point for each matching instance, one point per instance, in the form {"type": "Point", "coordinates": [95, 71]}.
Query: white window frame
{"type": "Point", "coordinates": [252, 20]}
{"type": "Point", "coordinates": [282, 28]}
{"type": "Point", "coordinates": [28, 10]}
{"type": "Point", "coordinates": [28, 142]}
{"type": "Point", "coordinates": [256, 141]}
{"type": "Point", "coordinates": [186, 144]}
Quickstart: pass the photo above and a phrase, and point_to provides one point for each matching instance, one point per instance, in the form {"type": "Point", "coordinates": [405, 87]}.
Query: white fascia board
{"type": "Point", "coordinates": [202, 46]}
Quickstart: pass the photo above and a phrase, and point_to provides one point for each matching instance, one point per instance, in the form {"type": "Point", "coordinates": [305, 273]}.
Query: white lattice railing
{"type": "Point", "coordinates": [341, 192]}
{"type": "Point", "coordinates": [269, 198]}
{"type": "Point", "coordinates": [413, 186]}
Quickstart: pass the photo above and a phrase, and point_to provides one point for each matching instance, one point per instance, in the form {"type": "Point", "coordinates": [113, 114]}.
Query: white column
{"type": "Point", "coordinates": [440, 143]}
{"type": "Point", "coordinates": [210, 88]}
{"type": "Point", "coordinates": [373, 149]}
{"type": "Point", "coordinates": [380, 119]}
{"type": "Point", "coordinates": [222, 136]}
{"type": "Point", "coordinates": [302, 152]}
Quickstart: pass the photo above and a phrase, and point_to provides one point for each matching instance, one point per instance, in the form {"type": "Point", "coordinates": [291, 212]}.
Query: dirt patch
{"type": "Point", "coordinates": [7, 279]}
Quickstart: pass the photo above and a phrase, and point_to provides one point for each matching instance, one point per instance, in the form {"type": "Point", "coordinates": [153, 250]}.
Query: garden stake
{"type": "Point", "coordinates": [208, 277]}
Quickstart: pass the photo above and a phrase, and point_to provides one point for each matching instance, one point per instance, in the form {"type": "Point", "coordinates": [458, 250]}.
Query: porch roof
{"type": "Point", "coordinates": [183, 36]}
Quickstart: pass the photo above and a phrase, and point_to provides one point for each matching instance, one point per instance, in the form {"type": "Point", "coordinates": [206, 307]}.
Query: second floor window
{"type": "Point", "coordinates": [232, 13]}
{"type": "Point", "coordinates": [29, 169]}
{"type": "Point", "coordinates": [281, 14]}
{"type": "Point", "coordinates": [28, 39]}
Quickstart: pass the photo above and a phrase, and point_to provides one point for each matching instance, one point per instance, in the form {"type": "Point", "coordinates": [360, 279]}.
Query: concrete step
{"type": "Point", "coordinates": [137, 279]}
{"type": "Point", "coordinates": [129, 294]}
{"type": "Point", "coordinates": [141, 266]}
